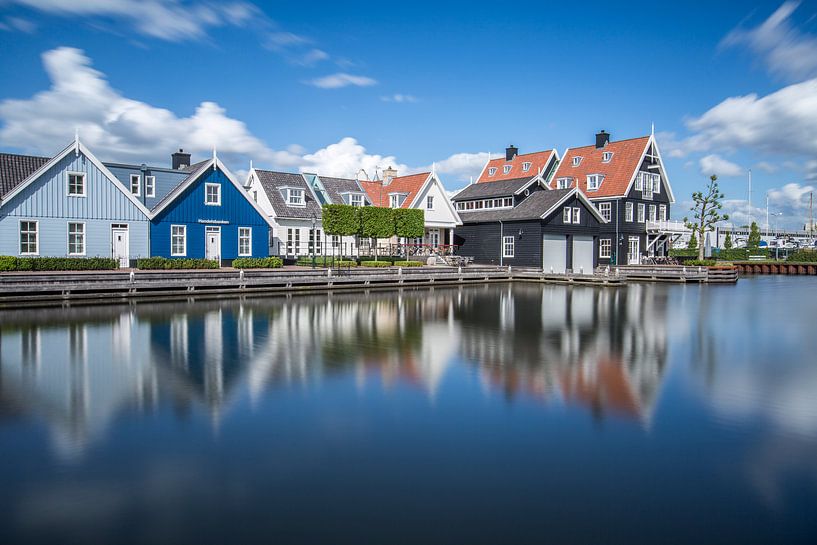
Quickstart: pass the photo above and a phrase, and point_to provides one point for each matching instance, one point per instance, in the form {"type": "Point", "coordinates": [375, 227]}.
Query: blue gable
{"type": "Point", "coordinates": [165, 180]}
{"type": "Point", "coordinates": [189, 209]}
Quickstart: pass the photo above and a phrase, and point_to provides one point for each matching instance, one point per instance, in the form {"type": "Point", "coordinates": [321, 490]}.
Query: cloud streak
{"type": "Point", "coordinates": [340, 80]}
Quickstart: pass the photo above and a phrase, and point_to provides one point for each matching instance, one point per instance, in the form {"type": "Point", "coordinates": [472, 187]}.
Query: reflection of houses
{"type": "Point", "coordinates": [592, 347]}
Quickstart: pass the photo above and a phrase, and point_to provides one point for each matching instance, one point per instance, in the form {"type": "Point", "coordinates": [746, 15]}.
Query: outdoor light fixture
{"type": "Point", "coordinates": [520, 233]}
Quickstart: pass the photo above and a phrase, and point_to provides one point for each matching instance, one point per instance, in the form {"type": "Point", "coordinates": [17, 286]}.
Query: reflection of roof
{"type": "Point", "coordinates": [533, 207]}
{"type": "Point", "coordinates": [605, 388]}
{"type": "Point", "coordinates": [16, 168]}
{"type": "Point", "coordinates": [617, 172]}
{"type": "Point", "coordinates": [379, 190]}
{"type": "Point", "coordinates": [272, 182]}
{"type": "Point", "coordinates": [538, 161]}
{"type": "Point", "coordinates": [504, 188]}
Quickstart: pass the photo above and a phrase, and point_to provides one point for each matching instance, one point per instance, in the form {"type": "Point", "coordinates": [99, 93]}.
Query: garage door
{"type": "Point", "coordinates": [583, 255]}
{"type": "Point", "coordinates": [554, 253]}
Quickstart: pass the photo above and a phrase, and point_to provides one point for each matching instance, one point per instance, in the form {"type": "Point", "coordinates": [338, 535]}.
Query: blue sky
{"type": "Point", "coordinates": [338, 87]}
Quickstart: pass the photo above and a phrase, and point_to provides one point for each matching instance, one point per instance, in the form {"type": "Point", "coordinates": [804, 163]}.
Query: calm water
{"type": "Point", "coordinates": [524, 414]}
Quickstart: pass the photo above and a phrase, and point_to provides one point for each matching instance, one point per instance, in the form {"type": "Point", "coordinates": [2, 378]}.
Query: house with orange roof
{"type": "Point", "coordinates": [628, 184]}
{"type": "Point", "coordinates": [423, 191]}
{"type": "Point", "coordinates": [513, 166]}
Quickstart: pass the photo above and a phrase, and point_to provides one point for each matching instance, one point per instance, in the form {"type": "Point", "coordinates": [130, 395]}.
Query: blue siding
{"type": "Point", "coordinates": [47, 202]}
{"type": "Point", "coordinates": [189, 209]}
{"type": "Point", "coordinates": [166, 180]}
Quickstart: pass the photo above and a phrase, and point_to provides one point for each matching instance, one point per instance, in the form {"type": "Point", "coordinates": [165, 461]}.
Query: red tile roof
{"type": "Point", "coordinates": [378, 191]}
{"type": "Point", "coordinates": [617, 173]}
{"type": "Point", "coordinates": [538, 161]}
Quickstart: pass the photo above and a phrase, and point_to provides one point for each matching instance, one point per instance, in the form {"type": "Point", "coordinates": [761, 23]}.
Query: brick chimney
{"type": "Point", "coordinates": [511, 152]}
{"type": "Point", "coordinates": [180, 160]}
{"type": "Point", "coordinates": [602, 138]}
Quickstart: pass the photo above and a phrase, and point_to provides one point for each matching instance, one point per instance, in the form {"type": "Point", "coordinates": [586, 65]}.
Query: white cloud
{"type": "Point", "coordinates": [786, 51]}
{"type": "Point", "coordinates": [399, 98]}
{"type": "Point", "coordinates": [346, 158]}
{"type": "Point", "coordinates": [791, 198]}
{"type": "Point", "coordinates": [715, 164]}
{"type": "Point", "coordinates": [740, 213]}
{"type": "Point", "coordinates": [171, 20]}
{"type": "Point", "coordinates": [342, 79]}
{"type": "Point", "coordinates": [461, 166]}
{"type": "Point", "coordinates": [10, 24]}
{"type": "Point", "coordinates": [766, 166]}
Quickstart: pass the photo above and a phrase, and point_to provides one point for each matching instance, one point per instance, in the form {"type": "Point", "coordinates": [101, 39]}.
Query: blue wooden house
{"type": "Point", "coordinates": [209, 215]}
{"type": "Point", "coordinates": [70, 205]}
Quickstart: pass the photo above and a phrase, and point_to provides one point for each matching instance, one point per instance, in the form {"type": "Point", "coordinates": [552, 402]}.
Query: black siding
{"type": "Point", "coordinates": [483, 242]}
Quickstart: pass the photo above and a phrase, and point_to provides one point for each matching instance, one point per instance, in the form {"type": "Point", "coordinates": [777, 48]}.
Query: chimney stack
{"type": "Point", "coordinates": [180, 160]}
{"type": "Point", "coordinates": [602, 139]}
{"type": "Point", "coordinates": [511, 152]}
{"type": "Point", "coordinates": [388, 174]}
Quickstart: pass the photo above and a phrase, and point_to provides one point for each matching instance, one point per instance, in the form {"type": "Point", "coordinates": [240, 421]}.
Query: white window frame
{"type": "Point", "coordinates": [138, 179]}
{"type": "Point", "coordinates": [606, 210]}
{"type": "Point", "coordinates": [293, 192]}
{"type": "Point", "coordinates": [293, 241]}
{"type": "Point", "coordinates": [641, 212]}
{"type": "Point", "coordinates": [564, 183]}
{"type": "Point", "coordinates": [639, 182]}
{"type": "Point", "coordinates": [628, 212]}
{"type": "Point", "coordinates": [207, 187]}
{"type": "Point", "coordinates": [577, 215]}
{"type": "Point", "coordinates": [506, 169]}
{"type": "Point", "coordinates": [508, 246]}
{"type": "Point", "coordinates": [605, 248]}
{"type": "Point", "coordinates": [525, 166]}
{"type": "Point", "coordinates": [68, 184]}
{"type": "Point", "coordinates": [396, 200]}
{"type": "Point", "coordinates": [567, 215]}
{"type": "Point", "coordinates": [314, 241]}
{"type": "Point", "coordinates": [662, 212]}
{"type": "Point", "coordinates": [248, 237]}
{"type": "Point", "coordinates": [597, 179]}
{"type": "Point", "coordinates": [656, 183]}
{"type": "Point", "coordinates": [81, 234]}
{"type": "Point", "coordinates": [356, 199]}
{"type": "Point", "coordinates": [36, 237]}
{"type": "Point", "coordinates": [606, 157]}
{"type": "Point", "coordinates": [507, 202]}
{"type": "Point", "coordinates": [183, 236]}
{"type": "Point", "coordinates": [150, 186]}
{"type": "Point", "coordinates": [652, 213]}
{"type": "Point", "coordinates": [430, 202]}
{"type": "Point", "coordinates": [577, 160]}
{"type": "Point", "coordinates": [491, 171]}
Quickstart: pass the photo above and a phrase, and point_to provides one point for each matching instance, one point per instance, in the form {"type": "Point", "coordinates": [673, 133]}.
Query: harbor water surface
{"type": "Point", "coordinates": [497, 414]}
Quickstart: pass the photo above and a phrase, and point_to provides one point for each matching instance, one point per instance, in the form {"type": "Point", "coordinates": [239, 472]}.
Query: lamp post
{"type": "Point", "coordinates": [314, 239]}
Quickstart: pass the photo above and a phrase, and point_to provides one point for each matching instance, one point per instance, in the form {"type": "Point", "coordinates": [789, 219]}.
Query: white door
{"type": "Point", "coordinates": [121, 246]}
{"type": "Point", "coordinates": [583, 254]}
{"type": "Point", "coordinates": [213, 243]}
{"type": "Point", "coordinates": [634, 251]}
{"type": "Point", "coordinates": [434, 237]}
{"type": "Point", "coordinates": [554, 254]}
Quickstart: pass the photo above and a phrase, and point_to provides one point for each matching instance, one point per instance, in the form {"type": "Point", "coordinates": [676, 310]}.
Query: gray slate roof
{"type": "Point", "coordinates": [272, 182]}
{"type": "Point", "coordinates": [16, 168]}
{"type": "Point", "coordinates": [503, 188]}
{"type": "Point", "coordinates": [336, 186]}
{"type": "Point", "coordinates": [532, 207]}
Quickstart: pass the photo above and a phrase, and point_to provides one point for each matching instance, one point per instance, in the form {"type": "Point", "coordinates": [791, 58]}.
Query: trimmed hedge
{"type": "Point", "coordinates": [258, 263]}
{"type": "Point", "coordinates": [152, 263]}
{"type": "Point", "coordinates": [325, 262]}
{"type": "Point", "coordinates": [702, 263]}
{"type": "Point", "coordinates": [375, 263]}
{"type": "Point", "coordinates": [409, 222]}
{"type": "Point", "coordinates": [11, 263]}
{"type": "Point", "coordinates": [803, 256]}
{"type": "Point", "coordinates": [408, 264]}
{"type": "Point", "coordinates": [735, 254]}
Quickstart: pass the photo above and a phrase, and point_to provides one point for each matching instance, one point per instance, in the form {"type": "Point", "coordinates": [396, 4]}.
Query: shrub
{"type": "Point", "coordinates": [8, 263]}
{"type": "Point", "coordinates": [325, 261]}
{"type": "Point", "coordinates": [803, 256]}
{"type": "Point", "coordinates": [154, 263]}
{"type": "Point", "coordinates": [409, 222]}
{"type": "Point", "coordinates": [408, 264]}
{"type": "Point", "coordinates": [376, 222]}
{"type": "Point", "coordinates": [340, 219]}
{"type": "Point", "coordinates": [257, 263]}
{"type": "Point", "coordinates": [693, 242]}
{"type": "Point", "coordinates": [11, 263]}
{"type": "Point", "coordinates": [683, 252]}
{"type": "Point", "coordinates": [375, 263]}
{"type": "Point", "coordinates": [701, 263]}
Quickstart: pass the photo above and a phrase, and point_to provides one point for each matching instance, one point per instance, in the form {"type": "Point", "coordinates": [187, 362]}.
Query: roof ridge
{"type": "Point", "coordinates": [25, 155]}
{"type": "Point", "coordinates": [611, 142]}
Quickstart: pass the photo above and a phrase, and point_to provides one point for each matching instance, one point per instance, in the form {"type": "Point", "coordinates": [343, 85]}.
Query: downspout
{"type": "Point", "coordinates": [618, 242]}
{"type": "Point", "coordinates": [501, 242]}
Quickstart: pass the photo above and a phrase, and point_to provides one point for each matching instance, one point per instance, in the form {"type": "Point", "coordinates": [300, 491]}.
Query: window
{"type": "Point", "coordinates": [577, 215]}
{"type": "Point", "coordinates": [135, 184]}
{"type": "Point", "coordinates": [604, 248]}
{"type": "Point", "coordinates": [577, 161]}
{"type": "Point", "coordinates": [628, 212]}
{"type": "Point", "coordinates": [178, 240]}
{"type": "Point", "coordinates": [315, 241]}
{"type": "Point", "coordinates": [335, 241]}
{"type": "Point", "coordinates": [506, 169]}
{"type": "Point", "coordinates": [76, 184]}
{"type": "Point", "coordinates": [641, 212]}
{"type": "Point", "coordinates": [460, 206]}
{"type": "Point", "coordinates": [498, 203]}
{"type": "Point", "coordinates": [478, 205]}
{"type": "Point", "coordinates": [639, 182]}
{"type": "Point", "coordinates": [507, 201]}
{"type": "Point", "coordinates": [244, 241]}
{"type": "Point", "coordinates": [28, 238]}
{"type": "Point", "coordinates": [491, 171]}
{"type": "Point", "coordinates": [566, 215]}
{"type": "Point", "coordinates": [356, 200]}
{"type": "Point", "coordinates": [293, 241]}
{"type": "Point", "coordinates": [255, 196]}
{"type": "Point", "coordinates": [594, 182]}
{"type": "Point", "coordinates": [212, 194]}
{"type": "Point", "coordinates": [507, 246]}
{"type": "Point", "coordinates": [605, 209]}
{"type": "Point", "coordinates": [76, 238]}
{"type": "Point", "coordinates": [662, 212]}
{"type": "Point", "coordinates": [656, 183]}
{"type": "Point", "coordinates": [295, 197]}
{"type": "Point", "coordinates": [653, 212]}
{"type": "Point", "coordinates": [563, 183]}
{"type": "Point", "coordinates": [606, 157]}
{"type": "Point", "coordinates": [396, 200]}
{"type": "Point", "coordinates": [469, 205]}
{"type": "Point", "coordinates": [430, 202]}
{"type": "Point", "coordinates": [647, 185]}
{"type": "Point", "coordinates": [150, 186]}
{"type": "Point", "coordinates": [525, 167]}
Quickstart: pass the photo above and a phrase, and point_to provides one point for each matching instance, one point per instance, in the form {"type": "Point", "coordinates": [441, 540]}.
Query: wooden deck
{"type": "Point", "coordinates": [677, 274]}
{"type": "Point", "coordinates": [749, 267]}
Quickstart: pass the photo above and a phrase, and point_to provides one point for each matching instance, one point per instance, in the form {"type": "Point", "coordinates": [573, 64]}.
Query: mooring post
{"type": "Point", "coordinates": [329, 272]}
{"type": "Point", "coordinates": [399, 271]}
{"type": "Point", "coordinates": [132, 277]}
{"type": "Point", "coordinates": [241, 274]}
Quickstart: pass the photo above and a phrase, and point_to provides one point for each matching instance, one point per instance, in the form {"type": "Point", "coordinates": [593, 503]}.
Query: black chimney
{"type": "Point", "coordinates": [511, 152]}
{"type": "Point", "coordinates": [602, 138]}
{"type": "Point", "coordinates": [180, 160]}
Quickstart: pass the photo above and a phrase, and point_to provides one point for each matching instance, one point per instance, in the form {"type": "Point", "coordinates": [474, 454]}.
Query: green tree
{"type": "Point", "coordinates": [409, 222]}
{"type": "Point", "coordinates": [753, 243]}
{"type": "Point", "coordinates": [706, 211]}
{"type": "Point", "coordinates": [727, 243]}
{"type": "Point", "coordinates": [376, 223]}
{"type": "Point", "coordinates": [693, 242]}
{"type": "Point", "coordinates": [340, 219]}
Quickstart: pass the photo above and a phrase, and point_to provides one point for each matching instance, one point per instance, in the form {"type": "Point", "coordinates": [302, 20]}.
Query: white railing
{"type": "Point", "coordinates": [668, 226]}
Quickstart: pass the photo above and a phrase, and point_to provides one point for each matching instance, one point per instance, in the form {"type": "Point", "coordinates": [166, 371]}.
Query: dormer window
{"type": "Point", "coordinates": [606, 157]}
{"type": "Point", "coordinates": [525, 167]}
{"type": "Point", "coordinates": [135, 184]}
{"type": "Point", "coordinates": [396, 200]}
{"type": "Point", "coordinates": [295, 197]}
{"type": "Point", "coordinates": [577, 161]}
{"type": "Point", "coordinates": [491, 171]}
{"type": "Point", "coordinates": [506, 169]}
{"type": "Point", "coordinates": [563, 183]}
{"type": "Point", "coordinates": [594, 182]}
{"type": "Point", "coordinates": [356, 199]}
